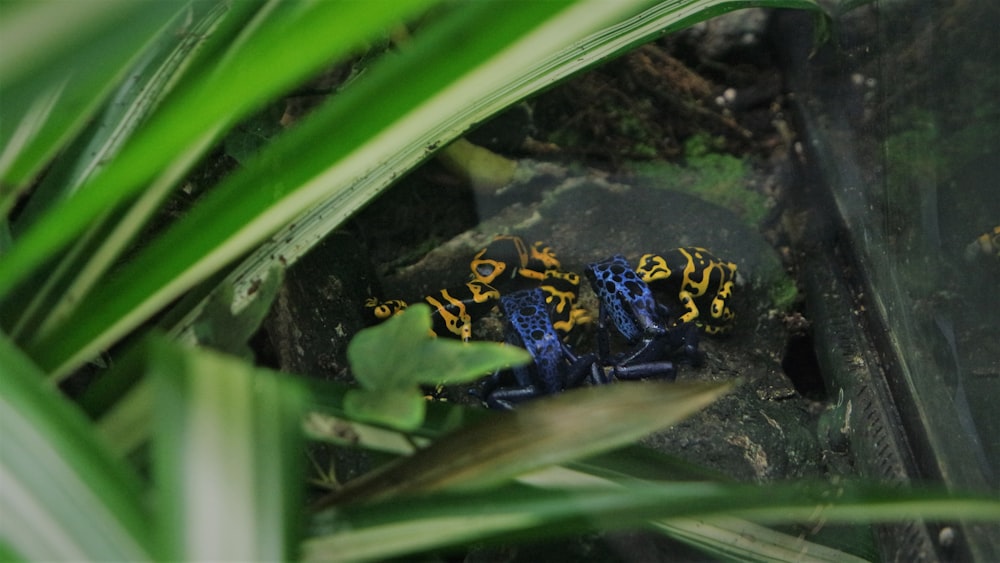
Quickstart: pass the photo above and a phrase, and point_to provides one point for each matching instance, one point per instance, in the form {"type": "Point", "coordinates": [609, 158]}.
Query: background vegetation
{"type": "Point", "coordinates": [126, 437]}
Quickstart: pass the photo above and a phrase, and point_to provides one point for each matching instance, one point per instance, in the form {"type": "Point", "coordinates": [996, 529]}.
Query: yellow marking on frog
{"type": "Point", "coordinates": [694, 273]}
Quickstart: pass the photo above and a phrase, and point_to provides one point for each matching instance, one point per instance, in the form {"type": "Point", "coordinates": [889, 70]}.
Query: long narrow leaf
{"type": "Point", "coordinates": [281, 52]}
{"type": "Point", "coordinates": [59, 60]}
{"type": "Point", "coordinates": [743, 540]}
{"type": "Point", "coordinates": [543, 433]}
{"type": "Point", "coordinates": [378, 531]}
{"type": "Point", "coordinates": [226, 457]}
{"type": "Point", "coordinates": [724, 536]}
{"type": "Point", "coordinates": [64, 495]}
{"type": "Point", "coordinates": [130, 105]}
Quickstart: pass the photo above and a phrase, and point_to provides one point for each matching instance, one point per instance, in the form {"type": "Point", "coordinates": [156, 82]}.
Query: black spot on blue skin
{"type": "Point", "coordinates": [634, 288]}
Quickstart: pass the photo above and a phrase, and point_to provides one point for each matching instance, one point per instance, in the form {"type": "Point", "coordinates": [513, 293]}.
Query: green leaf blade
{"type": "Point", "coordinates": [293, 45]}
{"type": "Point", "coordinates": [226, 457]}
{"type": "Point", "coordinates": [382, 356]}
{"type": "Point", "coordinates": [540, 434]}
{"type": "Point", "coordinates": [382, 530]}
{"type": "Point", "coordinates": [401, 352]}
{"type": "Point", "coordinates": [450, 362]}
{"type": "Point", "coordinates": [64, 494]}
{"type": "Point", "coordinates": [47, 94]}
{"type": "Point", "coordinates": [401, 408]}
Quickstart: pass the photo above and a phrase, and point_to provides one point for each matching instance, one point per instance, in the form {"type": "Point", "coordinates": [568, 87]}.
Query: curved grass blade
{"type": "Point", "coordinates": [542, 433]}
{"type": "Point", "coordinates": [742, 540]}
{"type": "Point", "coordinates": [293, 41]}
{"type": "Point", "coordinates": [59, 61]}
{"type": "Point", "coordinates": [148, 82]}
{"type": "Point", "coordinates": [386, 529]}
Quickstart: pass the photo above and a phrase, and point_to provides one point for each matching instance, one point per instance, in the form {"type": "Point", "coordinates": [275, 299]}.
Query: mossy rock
{"type": "Point", "coordinates": [586, 220]}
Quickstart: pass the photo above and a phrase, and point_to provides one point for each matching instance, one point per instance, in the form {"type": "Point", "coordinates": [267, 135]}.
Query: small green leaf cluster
{"type": "Point", "coordinates": [392, 360]}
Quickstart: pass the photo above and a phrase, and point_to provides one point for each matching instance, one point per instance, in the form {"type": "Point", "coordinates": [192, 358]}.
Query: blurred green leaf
{"type": "Point", "coordinates": [221, 329]}
{"type": "Point", "coordinates": [59, 60]}
{"type": "Point", "coordinates": [383, 356]}
{"type": "Point", "coordinates": [36, 306]}
{"type": "Point", "coordinates": [63, 493]}
{"type": "Point", "coordinates": [158, 68]}
{"type": "Point", "coordinates": [737, 539]}
{"type": "Point", "coordinates": [391, 361]}
{"type": "Point", "coordinates": [251, 135]}
{"type": "Point", "coordinates": [227, 457]}
{"type": "Point", "coordinates": [386, 529]}
{"type": "Point", "coordinates": [401, 408]}
{"type": "Point", "coordinates": [449, 361]}
{"type": "Point", "coordinates": [282, 47]}
{"type": "Point", "coordinates": [542, 433]}
{"type": "Point", "coordinates": [402, 352]}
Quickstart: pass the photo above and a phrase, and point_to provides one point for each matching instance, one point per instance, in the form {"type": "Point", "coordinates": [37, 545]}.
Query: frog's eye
{"type": "Point", "coordinates": [385, 309]}
{"type": "Point", "coordinates": [487, 270]}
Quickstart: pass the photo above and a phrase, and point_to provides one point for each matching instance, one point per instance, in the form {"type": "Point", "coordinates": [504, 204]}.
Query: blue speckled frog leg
{"type": "Point", "coordinates": [607, 284]}
{"type": "Point", "coordinates": [679, 343]}
{"type": "Point", "coordinates": [627, 302]}
{"type": "Point", "coordinates": [498, 393]}
{"type": "Point", "coordinates": [579, 370]}
{"type": "Point", "coordinates": [528, 316]}
{"type": "Point", "coordinates": [603, 340]}
{"type": "Point", "coordinates": [554, 367]}
{"type": "Point", "coordinates": [497, 397]}
{"type": "Point", "coordinates": [614, 283]}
